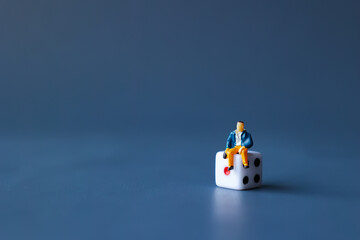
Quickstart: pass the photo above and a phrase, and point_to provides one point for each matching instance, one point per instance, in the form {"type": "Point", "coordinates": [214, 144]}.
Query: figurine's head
{"type": "Point", "coordinates": [240, 126]}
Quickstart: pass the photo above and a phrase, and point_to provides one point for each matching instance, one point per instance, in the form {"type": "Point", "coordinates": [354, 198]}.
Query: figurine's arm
{"type": "Point", "coordinates": [229, 142]}
{"type": "Point", "coordinates": [248, 142]}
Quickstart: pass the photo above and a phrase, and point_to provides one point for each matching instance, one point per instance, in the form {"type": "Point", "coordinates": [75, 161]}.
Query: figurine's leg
{"type": "Point", "coordinates": [227, 152]}
{"type": "Point", "coordinates": [244, 157]}
{"type": "Point", "coordinates": [231, 153]}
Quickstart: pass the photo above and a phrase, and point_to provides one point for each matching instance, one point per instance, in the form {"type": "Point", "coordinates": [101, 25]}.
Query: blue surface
{"type": "Point", "coordinates": [112, 112]}
{"type": "Point", "coordinates": [93, 187]}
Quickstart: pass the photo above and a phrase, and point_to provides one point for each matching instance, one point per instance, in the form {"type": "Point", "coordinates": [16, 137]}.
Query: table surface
{"type": "Point", "coordinates": [109, 187]}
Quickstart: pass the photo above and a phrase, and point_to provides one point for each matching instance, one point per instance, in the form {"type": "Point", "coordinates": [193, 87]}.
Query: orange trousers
{"type": "Point", "coordinates": [230, 155]}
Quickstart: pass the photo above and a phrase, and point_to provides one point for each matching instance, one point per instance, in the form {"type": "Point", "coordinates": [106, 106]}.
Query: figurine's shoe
{"type": "Point", "coordinates": [245, 166]}
{"type": "Point", "coordinates": [224, 155]}
{"type": "Point", "coordinates": [231, 168]}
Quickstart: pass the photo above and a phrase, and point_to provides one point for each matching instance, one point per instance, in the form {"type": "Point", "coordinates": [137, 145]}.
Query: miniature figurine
{"type": "Point", "coordinates": [239, 141]}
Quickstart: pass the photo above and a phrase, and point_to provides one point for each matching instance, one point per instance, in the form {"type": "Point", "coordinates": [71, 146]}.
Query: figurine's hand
{"type": "Point", "coordinates": [225, 155]}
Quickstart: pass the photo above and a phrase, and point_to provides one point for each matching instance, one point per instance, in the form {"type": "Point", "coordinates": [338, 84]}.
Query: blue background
{"type": "Point", "coordinates": [112, 112]}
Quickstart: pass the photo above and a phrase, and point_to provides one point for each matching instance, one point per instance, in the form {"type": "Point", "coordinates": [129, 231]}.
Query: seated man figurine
{"type": "Point", "coordinates": [239, 141]}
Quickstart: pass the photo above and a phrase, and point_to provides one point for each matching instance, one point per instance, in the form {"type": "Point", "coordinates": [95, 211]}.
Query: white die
{"type": "Point", "coordinates": [239, 178]}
